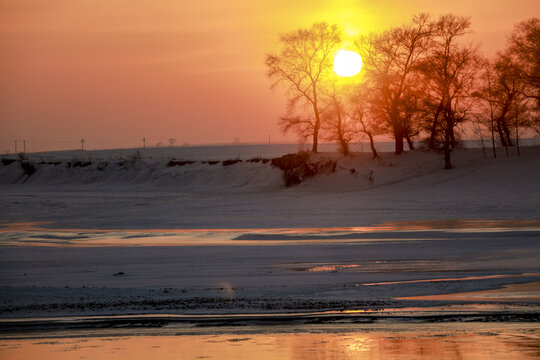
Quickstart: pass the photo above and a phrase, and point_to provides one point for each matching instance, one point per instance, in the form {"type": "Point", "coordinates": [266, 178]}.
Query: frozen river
{"type": "Point", "coordinates": [409, 290]}
{"type": "Point", "coordinates": [69, 271]}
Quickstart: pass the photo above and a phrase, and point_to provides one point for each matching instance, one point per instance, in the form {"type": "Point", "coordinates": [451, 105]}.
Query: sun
{"type": "Point", "coordinates": [347, 63]}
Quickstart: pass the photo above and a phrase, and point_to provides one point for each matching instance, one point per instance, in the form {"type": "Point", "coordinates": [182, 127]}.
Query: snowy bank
{"type": "Point", "coordinates": [177, 192]}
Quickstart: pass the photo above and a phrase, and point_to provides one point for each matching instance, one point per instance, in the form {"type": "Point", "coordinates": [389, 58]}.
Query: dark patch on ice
{"type": "Point", "coordinates": [146, 235]}
{"type": "Point", "coordinates": [58, 237]}
{"type": "Point", "coordinates": [413, 235]}
{"type": "Point", "coordinates": [238, 339]}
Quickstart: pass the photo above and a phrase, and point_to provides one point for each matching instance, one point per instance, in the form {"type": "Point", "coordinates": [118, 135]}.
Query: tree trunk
{"type": "Point", "coordinates": [483, 146]}
{"type": "Point", "coordinates": [492, 129]}
{"type": "Point", "coordinates": [409, 142]}
{"type": "Point", "coordinates": [317, 122]}
{"type": "Point", "coordinates": [447, 141]}
{"type": "Point", "coordinates": [433, 134]}
{"type": "Point", "coordinates": [341, 138]}
{"type": "Point", "coordinates": [517, 132]}
{"type": "Point", "coordinates": [342, 142]}
{"type": "Point", "coordinates": [507, 134]}
{"type": "Point", "coordinates": [344, 147]}
{"type": "Point", "coordinates": [493, 140]}
{"type": "Point", "coordinates": [502, 123]}
{"type": "Point", "coordinates": [447, 150]}
{"type": "Point", "coordinates": [453, 142]}
{"type": "Point", "coordinates": [398, 137]}
{"type": "Point", "coordinates": [399, 145]}
{"type": "Point", "coordinates": [372, 144]}
{"type": "Point", "coordinates": [500, 132]}
{"type": "Point", "coordinates": [315, 140]}
{"type": "Point", "coordinates": [315, 147]}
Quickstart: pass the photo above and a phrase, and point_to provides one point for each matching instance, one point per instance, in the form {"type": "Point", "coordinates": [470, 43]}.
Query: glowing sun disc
{"type": "Point", "coordinates": [347, 63]}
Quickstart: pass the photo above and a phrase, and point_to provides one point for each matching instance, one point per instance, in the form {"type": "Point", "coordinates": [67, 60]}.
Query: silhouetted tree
{"type": "Point", "coordinates": [390, 59]}
{"type": "Point", "coordinates": [509, 93]}
{"type": "Point", "coordinates": [336, 121]}
{"type": "Point", "coordinates": [484, 110]}
{"type": "Point", "coordinates": [524, 54]}
{"type": "Point", "coordinates": [449, 70]}
{"type": "Point", "coordinates": [523, 63]}
{"type": "Point", "coordinates": [506, 89]}
{"type": "Point", "coordinates": [363, 116]}
{"type": "Point", "coordinates": [302, 64]}
{"type": "Point", "coordinates": [417, 78]}
{"type": "Point", "coordinates": [411, 111]}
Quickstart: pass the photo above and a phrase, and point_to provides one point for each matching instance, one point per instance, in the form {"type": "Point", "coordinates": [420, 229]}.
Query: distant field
{"type": "Point", "coordinates": [223, 152]}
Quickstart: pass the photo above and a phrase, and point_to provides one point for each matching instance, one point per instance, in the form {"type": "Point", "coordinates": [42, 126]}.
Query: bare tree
{"type": "Point", "coordinates": [484, 114]}
{"type": "Point", "coordinates": [363, 116]}
{"type": "Point", "coordinates": [506, 89]}
{"type": "Point", "coordinates": [337, 124]}
{"type": "Point", "coordinates": [304, 61]}
{"type": "Point", "coordinates": [390, 59]}
{"type": "Point", "coordinates": [479, 131]}
{"type": "Point", "coordinates": [411, 111]}
{"type": "Point", "coordinates": [524, 51]}
{"type": "Point", "coordinates": [449, 70]}
{"type": "Point", "coordinates": [509, 87]}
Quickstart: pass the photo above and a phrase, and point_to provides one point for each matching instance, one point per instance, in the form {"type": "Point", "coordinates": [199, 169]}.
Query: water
{"type": "Point", "coordinates": [410, 341]}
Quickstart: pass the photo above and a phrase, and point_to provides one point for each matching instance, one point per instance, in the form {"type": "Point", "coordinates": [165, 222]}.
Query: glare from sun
{"type": "Point", "coordinates": [347, 63]}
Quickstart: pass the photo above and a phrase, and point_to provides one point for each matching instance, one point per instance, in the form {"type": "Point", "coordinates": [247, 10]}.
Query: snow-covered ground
{"type": "Point", "coordinates": [307, 247]}
{"type": "Point", "coordinates": [147, 194]}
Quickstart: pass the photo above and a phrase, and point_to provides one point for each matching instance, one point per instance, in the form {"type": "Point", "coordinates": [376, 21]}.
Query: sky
{"type": "Point", "coordinates": [115, 71]}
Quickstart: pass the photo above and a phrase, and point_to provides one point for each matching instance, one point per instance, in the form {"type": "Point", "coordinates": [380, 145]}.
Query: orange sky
{"type": "Point", "coordinates": [113, 71]}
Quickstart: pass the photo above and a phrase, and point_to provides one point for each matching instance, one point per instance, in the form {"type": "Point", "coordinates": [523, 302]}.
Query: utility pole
{"type": "Point", "coordinates": [24, 147]}
{"type": "Point", "coordinates": [144, 142]}
{"type": "Point", "coordinates": [268, 139]}
{"type": "Point", "coordinates": [82, 144]}
{"type": "Point", "coordinates": [15, 146]}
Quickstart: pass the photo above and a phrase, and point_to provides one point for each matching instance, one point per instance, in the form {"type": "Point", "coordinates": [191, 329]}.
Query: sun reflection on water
{"type": "Point", "coordinates": [407, 341]}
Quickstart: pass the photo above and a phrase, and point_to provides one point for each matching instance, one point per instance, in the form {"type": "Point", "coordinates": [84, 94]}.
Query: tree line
{"type": "Point", "coordinates": [419, 81]}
